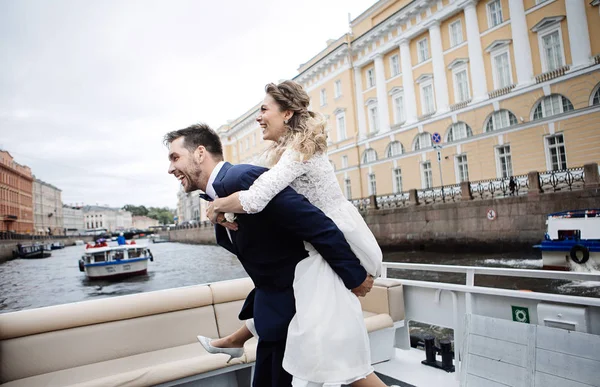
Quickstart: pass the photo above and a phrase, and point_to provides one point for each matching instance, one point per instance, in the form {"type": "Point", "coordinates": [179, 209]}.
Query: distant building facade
{"type": "Point", "coordinates": [510, 86]}
{"type": "Point", "coordinates": [73, 220]}
{"type": "Point", "coordinates": [16, 196]}
{"type": "Point", "coordinates": [48, 208]}
{"type": "Point", "coordinates": [111, 219]}
{"type": "Point", "coordinates": [143, 222]}
{"type": "Point", "coordinates": [190, 207]}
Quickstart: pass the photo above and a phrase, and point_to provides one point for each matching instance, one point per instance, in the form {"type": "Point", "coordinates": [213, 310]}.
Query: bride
{"type": "Point", "coordinates": [327, 339]}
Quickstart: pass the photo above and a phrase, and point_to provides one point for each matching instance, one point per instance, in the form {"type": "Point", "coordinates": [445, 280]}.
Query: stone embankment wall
{"type": "Point", "coordinates": [519, 222]}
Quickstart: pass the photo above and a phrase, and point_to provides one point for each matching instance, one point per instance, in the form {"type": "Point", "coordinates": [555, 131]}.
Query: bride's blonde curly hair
{"type": "Point", "coordinates": [305, 132]}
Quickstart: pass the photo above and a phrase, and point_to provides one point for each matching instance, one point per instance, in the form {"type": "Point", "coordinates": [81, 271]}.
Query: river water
{"type": "Point", "coordinates": [34, 283]}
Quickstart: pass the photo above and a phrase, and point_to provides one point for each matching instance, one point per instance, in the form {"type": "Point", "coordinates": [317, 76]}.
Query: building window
{"type": "Point", "coordinates": [394, 149]}
{"type": "Point", "coordinates": [373, 118]}
{"type": "Point", "coordinates": [552, 51]}
{"type": "Point", "coordinates": [494, 12]}
{"type": "Point", "coordinates": [552, 105]}
{"type": "Point", "coordinates": [462, 168]}
{"type": "Point", "coordinates": [348, 188]}
{"type": "Point", "coordinates": [254, 139]}
{"type": "Point", "coordinates": [340, 120]}
{"type": "Point", "coordinates": [596, 97]}
{"type": "Point", "coordinates": [461, 84]}
{"type": "Point", "coordinates": [372, 184]}
{"type": "Point", "coordinates": [556, 152]}
{"type": "Point", "coordinates": [458, 131]}
{"type": "Point", "coordinates": [456, 36]}
{"type": "Point", "coordinates": [422, 141]}
{"type": "Point", "coordinates": [504, 161]}
{"type": "Point", "coordinates": [499, 120]}
{"type": "Point", "coordinates": [398, 102]}
{"type": "Point", "coordinates": [369, 156]}
{"type": "Point", "coordinates": [344, 161]}
{"type": "Point", "coordinates": [323, 97]}
{"type": "Point", "coordinates": [502, 73]}
{"type": "Point", "coordinates": [426, 177]}
{"type": "Point", "coordinates": [427, 98]}
{"type": "Point", "coordinates": [422, 50]}
{"type": "Point", "coordinates": [247, 143]}
{"type": "Point", "coordinates": [397, 174]}
{"type": "Point", "coordinates": [370, 78]}
{"type": "Point", "coordinates": [394, 65]}
{"type": "Point", "coordinates": [337, 89]}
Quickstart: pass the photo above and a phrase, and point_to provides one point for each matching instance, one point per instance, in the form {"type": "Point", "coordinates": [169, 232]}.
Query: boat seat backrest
{"type": "Point", "coordinates": [386, 297]}
{"type": "Point", "coordinates": [228, 298]}
{"type": "Point", "coordinates": [66, 336]}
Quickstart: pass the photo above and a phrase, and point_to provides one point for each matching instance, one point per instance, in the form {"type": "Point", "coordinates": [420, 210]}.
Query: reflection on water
{"type": "Point", "coordinates": [34, 283]}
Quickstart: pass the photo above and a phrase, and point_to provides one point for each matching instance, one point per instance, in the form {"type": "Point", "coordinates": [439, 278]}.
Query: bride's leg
{"type": "Point", "coordinates": [371, 380]}
{"type": "Point", "coordinates": [234, 340]}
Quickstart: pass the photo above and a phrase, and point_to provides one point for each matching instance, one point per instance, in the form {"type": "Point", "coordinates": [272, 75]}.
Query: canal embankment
{"type": "Point", "coordinates": [7, 246]}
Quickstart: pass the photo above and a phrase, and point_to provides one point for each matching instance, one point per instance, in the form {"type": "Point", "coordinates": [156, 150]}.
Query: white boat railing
{"type": "Point", "coordinates": [424, 302]}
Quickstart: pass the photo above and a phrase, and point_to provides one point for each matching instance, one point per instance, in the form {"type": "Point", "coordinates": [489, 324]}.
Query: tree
{"type": "Point", "coordinates": [136, 210]}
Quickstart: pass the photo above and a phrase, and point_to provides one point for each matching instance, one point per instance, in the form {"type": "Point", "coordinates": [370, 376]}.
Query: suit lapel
{"type": "Point", "coordinates": [218, 185]}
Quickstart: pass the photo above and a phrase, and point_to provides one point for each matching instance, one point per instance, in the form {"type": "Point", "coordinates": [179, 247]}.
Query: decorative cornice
{"type": "Point", "coordinates": [547, 22]}
{"type": "Point", "coordinates": [396, 90]}
{"type": "Point", "coordinates": [370, 101]}
{"type": "Point", "coordinates": [339, 110]}
{"type": "Point", "coordinates": [496, 44]}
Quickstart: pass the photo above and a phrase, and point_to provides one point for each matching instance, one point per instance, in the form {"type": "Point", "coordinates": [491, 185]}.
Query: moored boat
{"type": "Point", "coordinates": [57, 245]}
{"type": "Point", "coordinates": [572, 239]}
{"type": "Point", "coordinates": [101, 261]}
{"type": "Point", "coordinates": [31, 251]}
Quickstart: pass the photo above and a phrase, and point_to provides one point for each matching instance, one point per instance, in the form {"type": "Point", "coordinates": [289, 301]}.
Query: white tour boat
{"type": "Point", "coordinates": [572, 239]}
{"type": "Point", "coordinates": [501, 337]}
{"type": "Point", "coordinates": [102, 261]}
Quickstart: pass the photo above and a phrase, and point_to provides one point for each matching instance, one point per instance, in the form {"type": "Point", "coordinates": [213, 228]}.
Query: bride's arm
{"type": "Point", "coordinates": [269, 184]}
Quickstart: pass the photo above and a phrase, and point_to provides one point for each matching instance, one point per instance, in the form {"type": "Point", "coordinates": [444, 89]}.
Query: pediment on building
{"type": "Point", "coordinates": [458, 62]}
{"type": "Point", "coordinates": [424, 77]}
{"type": "Point", "coordinates": [547, 22]}
{"type": "Point", "coordinates": [496, 44]}
{"type": "Point", "coordinates": [396, 90]}
{"type": "Point", "coordinates": [371, 101]}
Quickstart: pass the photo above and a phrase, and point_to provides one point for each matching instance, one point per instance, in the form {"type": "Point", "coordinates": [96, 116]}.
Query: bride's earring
{"type": "Point", "coordinates": [285, 121]}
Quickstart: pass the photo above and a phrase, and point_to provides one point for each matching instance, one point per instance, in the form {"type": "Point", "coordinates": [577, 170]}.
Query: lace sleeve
{"type": "Point", "coordinates": [270, 183]}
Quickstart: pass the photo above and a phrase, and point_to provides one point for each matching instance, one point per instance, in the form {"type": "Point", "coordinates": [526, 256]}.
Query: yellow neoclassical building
{"type": "Point", "coordinates": [510, 86]}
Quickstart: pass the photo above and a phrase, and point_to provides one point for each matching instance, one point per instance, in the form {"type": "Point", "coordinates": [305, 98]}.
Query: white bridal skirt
{"type": "Point", "coordinates": [327, 343]}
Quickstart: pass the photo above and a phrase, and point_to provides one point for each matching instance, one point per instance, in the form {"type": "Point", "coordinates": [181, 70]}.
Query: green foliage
{"type": "Point", "coordinates": [164, 215]}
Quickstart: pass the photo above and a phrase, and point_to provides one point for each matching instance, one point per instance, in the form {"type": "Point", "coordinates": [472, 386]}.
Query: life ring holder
{"type": "Point", "coordinates": [579, 248]}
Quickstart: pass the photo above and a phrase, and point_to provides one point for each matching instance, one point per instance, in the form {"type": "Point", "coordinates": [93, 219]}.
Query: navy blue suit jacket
{"type": "Point", "coordinates": [270, 244]}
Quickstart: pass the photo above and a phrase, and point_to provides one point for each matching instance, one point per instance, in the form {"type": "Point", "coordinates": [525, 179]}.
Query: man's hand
{"type": "Point", "coordinates": [365, 287]}
{"type": "Point", "coordinates": [219, 218]}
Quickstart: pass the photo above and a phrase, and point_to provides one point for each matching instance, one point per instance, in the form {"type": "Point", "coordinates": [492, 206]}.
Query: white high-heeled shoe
{"type": "Point", "coordinates": [232, 352]}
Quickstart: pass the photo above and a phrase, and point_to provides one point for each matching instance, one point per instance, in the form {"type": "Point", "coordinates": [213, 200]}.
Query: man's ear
{"type": "Point", "coordinates": [200, 153]}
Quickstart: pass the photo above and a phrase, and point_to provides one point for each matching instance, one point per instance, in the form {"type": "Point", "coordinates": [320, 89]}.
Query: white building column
{"type": "Point", "coordinates": [360, 103]}
{"type": "Point", "coordinates": [382, 97]}
{"type": "Point", "coordinates": [478, 79]}
{"type": "Point", "coordinates": [579, 36]}
{"type": "Point", "coordinates": [439, 71]}
{"type": "Point", "coordinates": [408, 83]}
{"type": "Point", "coordinates": [521, 46]}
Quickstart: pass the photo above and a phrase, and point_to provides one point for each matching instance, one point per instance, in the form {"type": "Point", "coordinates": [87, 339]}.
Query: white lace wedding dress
{"type": "Point", "coordinates": [327, 341]}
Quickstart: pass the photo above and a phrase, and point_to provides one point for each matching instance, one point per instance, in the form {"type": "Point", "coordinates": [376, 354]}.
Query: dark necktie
{"type": "Point", "coordinates": [205, 197]}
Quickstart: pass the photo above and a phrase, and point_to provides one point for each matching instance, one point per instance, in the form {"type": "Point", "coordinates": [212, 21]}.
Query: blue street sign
{"type": "Point", "coordinates": [436, 138]}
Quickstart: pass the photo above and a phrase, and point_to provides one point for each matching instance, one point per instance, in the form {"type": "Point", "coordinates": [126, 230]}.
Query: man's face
{"type": "Point", "coordinates": [185, 165]}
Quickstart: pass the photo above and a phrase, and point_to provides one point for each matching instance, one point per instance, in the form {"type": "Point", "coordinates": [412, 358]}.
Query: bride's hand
{"type": "Point", "coordinates": [219, 218]}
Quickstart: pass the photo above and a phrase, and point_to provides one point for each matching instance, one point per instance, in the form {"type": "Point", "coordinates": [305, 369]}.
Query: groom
{"type": "Point", "coordinates": [268, 244]}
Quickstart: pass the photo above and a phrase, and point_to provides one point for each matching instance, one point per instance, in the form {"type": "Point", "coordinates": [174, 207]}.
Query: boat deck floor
{"type": "Point", "coordinates": [405, 370]}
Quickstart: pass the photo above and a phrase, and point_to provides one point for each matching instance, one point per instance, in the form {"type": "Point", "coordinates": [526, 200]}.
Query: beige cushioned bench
{"type": "Point", "coordinates": [142, 339]}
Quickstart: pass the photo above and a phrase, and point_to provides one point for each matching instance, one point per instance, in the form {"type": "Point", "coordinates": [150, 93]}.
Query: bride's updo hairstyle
{"type": "Point", "coordinates": [305, 132]}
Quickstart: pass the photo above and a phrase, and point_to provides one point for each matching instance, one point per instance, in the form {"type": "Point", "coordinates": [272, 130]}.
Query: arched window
{"type": "Point", "coordinates": [422, 141]}
{"type": "Point", "coordinates": [596, 96]}
{"type": "Point", "coordinates": [394, 149]}
{"type": "Point", "coordinates": [499, 120]}
{"type": "Point", "coordinates": [551, 105]}
{"type": "Point", "coordinates": [369, 155]}
{"type": "Point", "coordinates": [458, 131]}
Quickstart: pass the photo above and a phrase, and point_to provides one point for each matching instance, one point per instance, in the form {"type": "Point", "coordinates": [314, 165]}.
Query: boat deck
{"type": "Point", "coordinates": [406, 367]}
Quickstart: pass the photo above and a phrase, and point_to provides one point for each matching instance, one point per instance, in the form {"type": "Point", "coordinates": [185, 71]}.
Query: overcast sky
{"type": "Point", "coordinates": [89, 88]}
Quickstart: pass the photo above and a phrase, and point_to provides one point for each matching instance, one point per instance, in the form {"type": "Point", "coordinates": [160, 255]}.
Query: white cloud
{"type": "Point", "coordinates": [88, 89]}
